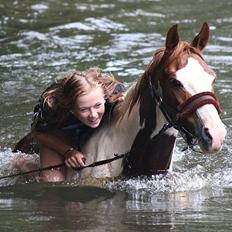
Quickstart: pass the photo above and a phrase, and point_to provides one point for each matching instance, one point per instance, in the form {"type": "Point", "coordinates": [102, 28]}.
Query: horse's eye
{"type": "Point", "coordinates": [175, 83]}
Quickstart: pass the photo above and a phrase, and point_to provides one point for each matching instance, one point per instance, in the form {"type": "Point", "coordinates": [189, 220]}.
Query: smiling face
{"type": "Point", "coordinates": [189, 77]}
{"type": "Point", "coordinates": [90, 107]}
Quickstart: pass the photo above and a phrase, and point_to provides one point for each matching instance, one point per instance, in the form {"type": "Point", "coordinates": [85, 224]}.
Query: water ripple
{"type": "Point", "coordinates": [92, 24]}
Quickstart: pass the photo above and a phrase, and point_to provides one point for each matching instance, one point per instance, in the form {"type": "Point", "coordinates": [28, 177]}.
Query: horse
{"type": "Point", "coordinates": [174, 95]}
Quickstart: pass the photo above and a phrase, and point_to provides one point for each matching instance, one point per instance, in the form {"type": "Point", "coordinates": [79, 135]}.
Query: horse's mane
{"type": "Point", "coordinates": [136, 89]}
{"type": "Point", "coordinates": [171, 60]}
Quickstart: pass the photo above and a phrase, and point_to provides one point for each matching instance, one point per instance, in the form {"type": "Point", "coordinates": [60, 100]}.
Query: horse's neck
{"type": "Point", "coordinates": [151, 150]}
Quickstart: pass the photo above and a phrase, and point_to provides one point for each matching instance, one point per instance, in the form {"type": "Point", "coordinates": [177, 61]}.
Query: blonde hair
{"type": "Point", "coordinates": [63, 93]}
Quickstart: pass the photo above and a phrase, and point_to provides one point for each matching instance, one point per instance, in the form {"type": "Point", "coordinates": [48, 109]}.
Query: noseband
{"type": "Point", "coordinates": [196, 101]}
{"type": "Point", "coordinates": [183, 111]}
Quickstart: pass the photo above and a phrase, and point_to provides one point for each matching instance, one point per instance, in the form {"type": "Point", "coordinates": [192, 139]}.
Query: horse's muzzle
{"type": "Point", "coordinates": [205, 141]}
{"type": "Point", "coordinates": [211, 142]}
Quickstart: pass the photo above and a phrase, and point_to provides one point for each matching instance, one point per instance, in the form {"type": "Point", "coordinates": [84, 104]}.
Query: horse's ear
{"type": "Point", "coordinates": [172, 38]}
{"type": "Point", "coordinates": [201, 40]}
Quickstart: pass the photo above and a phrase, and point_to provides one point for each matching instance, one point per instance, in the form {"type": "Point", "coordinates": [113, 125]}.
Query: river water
{"type": "Point", "coordinates": [40, 39]}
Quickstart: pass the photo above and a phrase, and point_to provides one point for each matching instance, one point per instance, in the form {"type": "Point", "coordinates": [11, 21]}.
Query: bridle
{"type": "Point", "coordinates": [182, 111]}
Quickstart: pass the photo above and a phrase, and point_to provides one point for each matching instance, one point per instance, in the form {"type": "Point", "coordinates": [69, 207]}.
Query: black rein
{"type": "Point", "coordinates": [188, 137]}
{"type": "Point", "coordinates": [95, 164]}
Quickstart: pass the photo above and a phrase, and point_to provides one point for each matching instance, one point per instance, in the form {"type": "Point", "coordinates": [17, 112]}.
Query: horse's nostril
{"type": "Point", "coordinates": [207, 138]}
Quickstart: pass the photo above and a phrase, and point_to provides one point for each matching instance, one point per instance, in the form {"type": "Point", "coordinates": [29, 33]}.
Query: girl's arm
{"type": "Point", "coordinates": [59, 144]}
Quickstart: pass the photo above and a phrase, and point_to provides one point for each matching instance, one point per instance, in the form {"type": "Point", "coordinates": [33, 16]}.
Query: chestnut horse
{"type": "Point", "coordinates": [174, 94]}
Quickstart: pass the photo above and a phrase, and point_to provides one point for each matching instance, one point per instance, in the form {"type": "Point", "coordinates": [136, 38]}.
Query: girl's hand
{"type": "Point", "coordinates": [75, 159]}
{"type": "Point", "coordinates": [119, 97]}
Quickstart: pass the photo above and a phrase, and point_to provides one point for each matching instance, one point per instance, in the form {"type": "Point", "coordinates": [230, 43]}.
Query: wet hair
{"type": "Point", "coordinates": [62, 94]}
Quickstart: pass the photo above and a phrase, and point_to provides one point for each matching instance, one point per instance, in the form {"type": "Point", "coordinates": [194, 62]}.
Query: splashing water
{"type": "Point", "coordinates": [182, 179]}
{"type": "Point", "coordinates": [7, 158]}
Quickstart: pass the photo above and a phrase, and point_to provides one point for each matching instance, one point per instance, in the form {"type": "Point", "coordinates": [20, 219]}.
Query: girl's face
{"type": "Point", "coordinates": [89, 108]}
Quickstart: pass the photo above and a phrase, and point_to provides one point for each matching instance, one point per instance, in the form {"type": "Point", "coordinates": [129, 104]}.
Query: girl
{"type": "Point", "coordinates": [66, 115]}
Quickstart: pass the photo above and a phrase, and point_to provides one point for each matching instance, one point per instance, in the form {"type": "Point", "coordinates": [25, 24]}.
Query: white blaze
{"type": "Point", "coordinates": [196, 80]}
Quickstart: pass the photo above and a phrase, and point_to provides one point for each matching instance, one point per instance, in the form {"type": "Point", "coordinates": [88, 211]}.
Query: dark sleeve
{"type": "Point", "coordinates": [109, 106]}
{"type": "Point", "coordinates": [119, 88]}
{"type": "Point", "coordinates": [44, 119]}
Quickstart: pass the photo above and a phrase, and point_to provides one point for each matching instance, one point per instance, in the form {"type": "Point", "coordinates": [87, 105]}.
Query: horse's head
{"type": "Point", "coordinates": [182, 80]}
